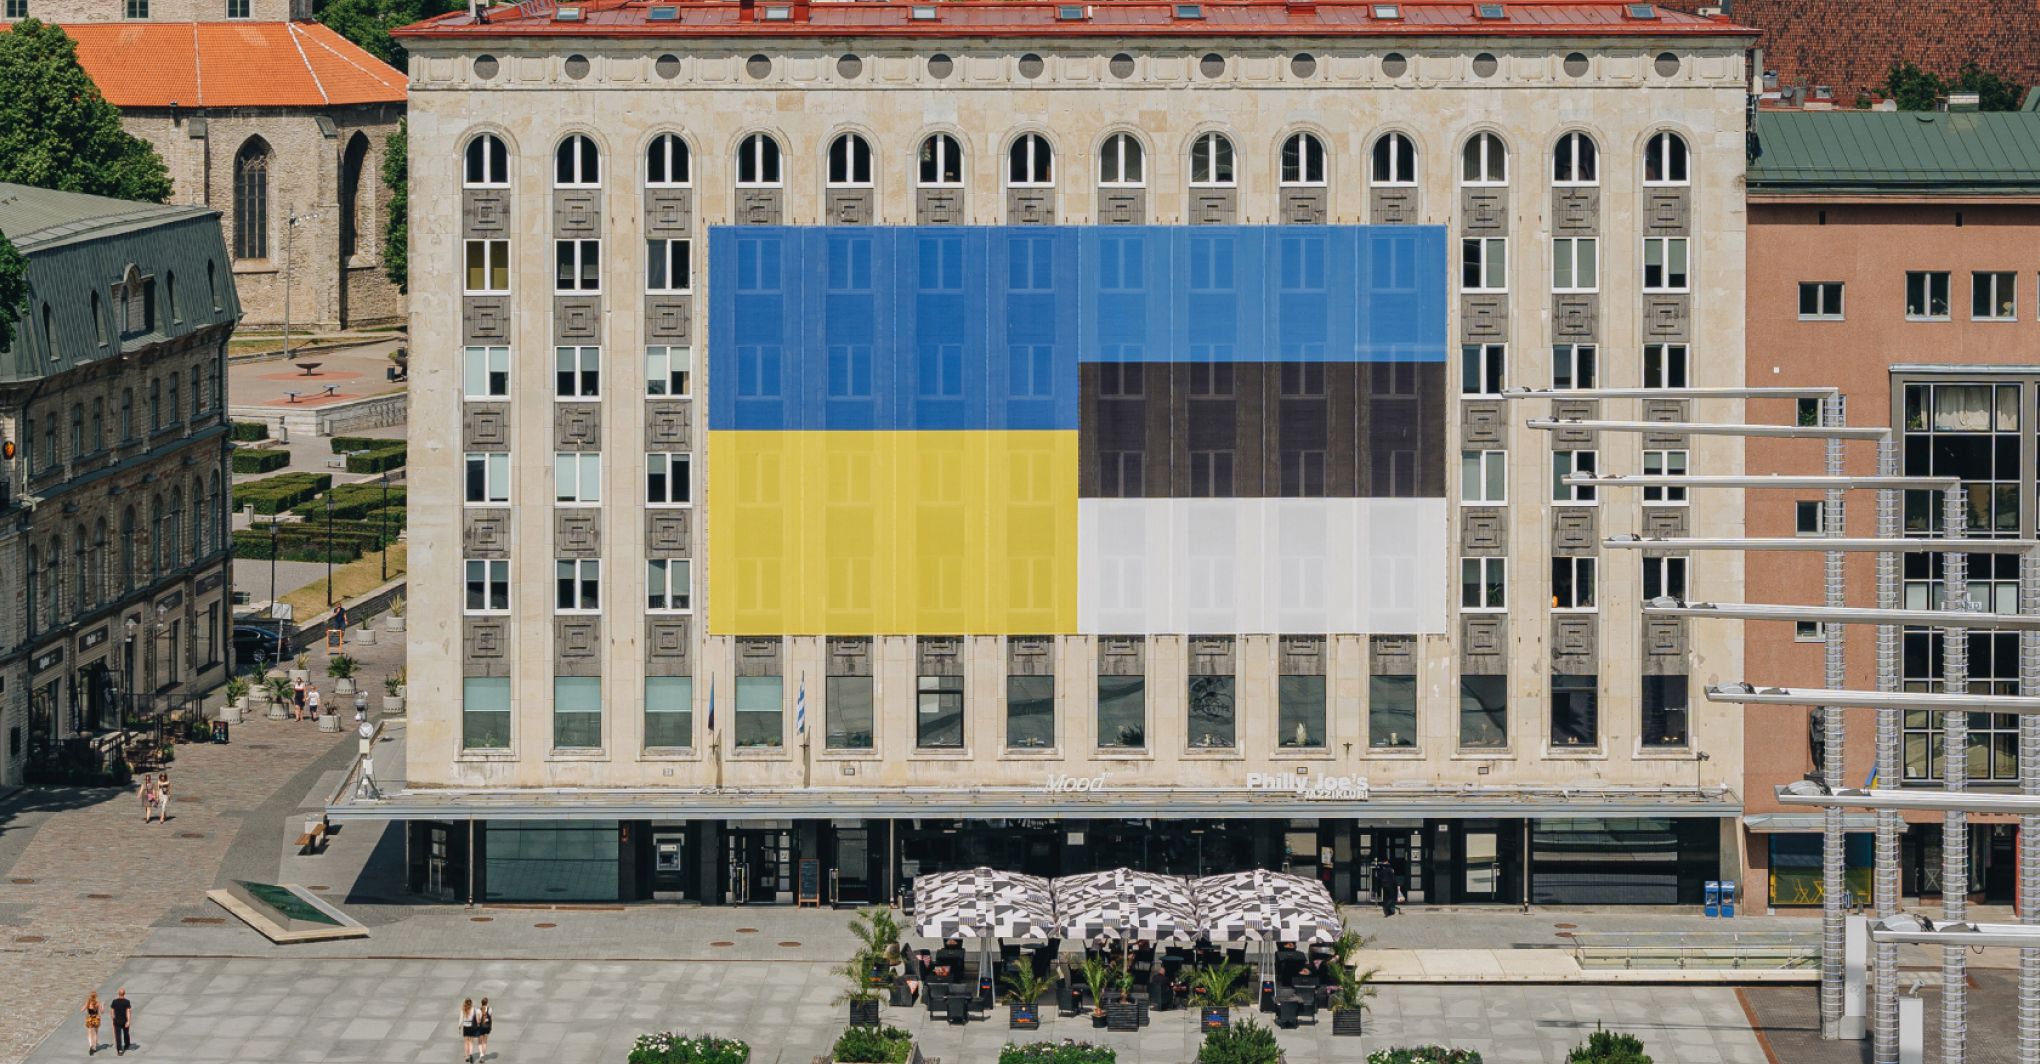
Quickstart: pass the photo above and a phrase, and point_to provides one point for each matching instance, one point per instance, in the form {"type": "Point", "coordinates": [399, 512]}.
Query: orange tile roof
{"type": "Point", "coordinates": [231, 64]}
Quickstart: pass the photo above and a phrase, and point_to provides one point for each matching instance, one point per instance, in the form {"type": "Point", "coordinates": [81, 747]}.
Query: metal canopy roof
{"type": "Point", "coordinates": [1896, 152]}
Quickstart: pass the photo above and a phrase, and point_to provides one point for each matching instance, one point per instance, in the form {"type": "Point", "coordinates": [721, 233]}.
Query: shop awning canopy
{"type": "Point", "coordinates": [1124, 903]}
{"type": "Point", "coordinates": [1265, 906]}
{"type": "Point", "coordinates": [983, 903]}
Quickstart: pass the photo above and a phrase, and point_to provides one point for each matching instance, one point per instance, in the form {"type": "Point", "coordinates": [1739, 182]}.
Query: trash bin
{"type": "Point", "coordinates": [1728, 897]}
{"type": "Point", "coordinates": [1713, 898]}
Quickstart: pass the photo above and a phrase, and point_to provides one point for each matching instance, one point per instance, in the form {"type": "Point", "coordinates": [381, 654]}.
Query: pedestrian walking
{"type": "Point", "coordinates": [1387, 888]}
{"type": "Point", "coordinates": [468, 1027]}
{"type": "Point", "coordinates": [92, 1023]}
{"type": "Point", "coordinates": [312, 702]}
{"type": "Point", "coordinates": [297, 700]}
{"type": "Point", "coordinates": [123, 1017]}
{"type": "Point", "coordinates": [162, 798]}
{"type": "Point", "coordinates": [485, 1021]}
{"type": "Point", "coordinates": [148, 793]}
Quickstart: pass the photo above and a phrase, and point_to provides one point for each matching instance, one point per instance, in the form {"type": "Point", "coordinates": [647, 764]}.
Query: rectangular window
{"type": "Point", "coordinates": [486, 373]}
{"type": "Point", "coordinates": [577, 585]}
{"type": "Point", "coordinates": [1664, 366]}
{"type": "Point", "coordinates": [1926, 295]}
{"type": "Point", "coordinates": [577, 372]}
{"type": "Point", "coordinates": [669, 478]}
{"type": "Point", "coordinates": [1664, 577]}
{"type": "Point", "coordinates": [577, 478]}
{"type": "Point", "coordinates": [669, 266]}
{"type": "Point", "coordinates": [1484, 264]}
{"type": "Point", "coordinates": [1994, 296]}
{"type": "Point", "coordinates": [1481, 368]}
{"type": "Point", "coordinates": [1484, 477]}
{"type": "Point", "coordinates": [669, 712]}
{"type": "Point", "coordinates": [938, 712]}
{"type": "Point", "coordinates": [1122, 712]}
{"type": "Point", "coordinates": [1665, 264]}
{"type": "Point", "coordinates": [1820, 301]}
{"type": "Point", "coordinates": [848, 705]}
{"type": "Point", "coordinates": [138, 8]}
{"type": "Point", "coordinates": [1664, 711]}
{"type": "Point", "coordinates": [237, 8]}
{"type": "Point", "coordinates": [488, 267]}
{"type": "Point", "coordinates": [1030, 712]}
{"type": "Point", "coordinates": [1575, 711]}
{"type": "Point", "coordinates": [577, 265]}
{"type": "Point", "coordinates": [18, 9]}
{"type": "Point", "coordinates": [1211, 474]}
{"type": "Point", "coordinates": [1575, 264]}
{"type": "Point", "coordinates": [1300, 712]}
{"type": "Point", "coordinates": [1808, 632]}
{"type": "Point", "coordinates": [1483, 583]}
{"type": "Point", "coordinates": [1572, 583]}
{"type": "Point", "coordinates": [761, 705]}
{"type": "Point", "coordinates": [577, 712]}
{"type": "Point", "coordinates": [1565, 464]}
{"type": "Point", "coordinates": [485, 712]}
{"type": "Point", "coordinates": [1391, 712]}
{"type": "Point", "coordinates": [1808, 519]}
{"type": "Point", "coordinates": [1666, 464]}
{"type": "Point", "coordinates": [1483, 712]}
{"type": "Point", "coordinates": [488, 477]}
{"type": "Point", "coordinates": [1968, 430]}
{"type": "Point", "coordinates": [1213, 708]}
{"type": "Point", "coordinates": [1572, 365]}
{"type": "Point", "coordinates": [488, 585]}
{"type": "Point", "coordinates": [668, 369]}
{"type": "Point", "coordinates": [669, 585]}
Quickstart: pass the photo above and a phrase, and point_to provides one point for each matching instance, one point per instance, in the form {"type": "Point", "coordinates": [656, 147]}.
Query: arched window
{"type": "Point", "coordinates": [1119, 162]}
{"type": "Point", "coordinates": [251, 200]}
{"type": "Point", "coordinates": [576, 164]}
{"type": "Point", "coordinates": [1664, 160]}
{"type": "Point", "coordinates": [53, 582]}
{"type": "Point", "coordinates": [201, 535]}
{"type": "Point", "coordinates": [1576, 161]}
{"type": "Point", "coordinates": [1211, 161]}
{"type": "Point", "coordinates": [758, 162]}
{"type": "Point", "coordinates": [1485, 161]}
{"type": "Point", "coordinates": [667, 164]}
{"type": "Point", "coordinates": [80, 571]}
{"type": "Point", "coordinates": [941, 160]}
{"type": "Point", "coordinates": [127, 414]}
{"type": "Point", "coordinates": [127, 550]}
{"type": "Point", "coordinates": [355, 197]}
{"type": "Point", "coordinates": [1030, 162]}
{"type": "Point", "coordinates": [488, 163]}
{"type": "Point", "coordinates": [213, 539]}
{"type": "Point", "coordinates": [197, 392]}
{"type": "Point", "coordinates": [850, 162]}
{"type": "Point", "coordinates": [34, 582]}
{"type": "Point", "coordinates": [1395, 160]}
{"type": "Point", "coordinates": [159, 538]}
{"type": "Point", "coordinates": [77, 429]}
{"type": "Point", "coordinates": [97, 581]}
{"type": "Point", "coordinates": [1303, 160]}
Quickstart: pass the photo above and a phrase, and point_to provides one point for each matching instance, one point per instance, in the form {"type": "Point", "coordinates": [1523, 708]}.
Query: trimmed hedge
{"type": "Point", "coordinates": [298, 544]}
{"type": "Point", "coordinates": [376, 461]}
{"type": "Point", "coordinates": [351, 444]}
{"type": "Point", "coordinates": [354, 502]}
{"type": "Point", "coordinates": [259, 459]}
{"type": "Point", "coordinates": [273, 495]}
{"type": "Point", "coordinates": [248, 431]}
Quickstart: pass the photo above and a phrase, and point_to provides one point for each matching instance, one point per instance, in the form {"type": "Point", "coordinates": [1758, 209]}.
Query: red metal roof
{"type": "Point", "coordinates": [230, 64]}
{"type": "Point", "coordinates": [1111, 18]}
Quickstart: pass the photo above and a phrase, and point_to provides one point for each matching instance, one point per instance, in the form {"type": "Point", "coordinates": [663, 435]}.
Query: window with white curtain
{"type": "Point", "coordinates": [1484, 161]}
{"type": "Point", "coordinates": [1211, 161]}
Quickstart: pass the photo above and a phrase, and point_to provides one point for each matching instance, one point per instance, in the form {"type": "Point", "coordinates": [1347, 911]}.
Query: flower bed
{"type": "Point", "coordinates": [671, 1048]}
{"type": "Point", "coordinates": [873, 1045]}
{"type": "Point", "coordinates": [1066, 1051]}
{"type": "Point", "coordinates": [1423, 1055]}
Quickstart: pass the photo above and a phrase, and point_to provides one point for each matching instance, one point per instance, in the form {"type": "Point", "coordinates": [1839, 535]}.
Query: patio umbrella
{"type": "Point", "coordinates": [983, 903]}
{"type": "Point", "coordinates": [1126, 904]}
{"type": "Point", "coordinates": [1261, 905]}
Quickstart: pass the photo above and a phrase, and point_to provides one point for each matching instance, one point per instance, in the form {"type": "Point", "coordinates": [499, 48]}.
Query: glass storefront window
{"type": "Point", "coordinates": [761, 705]}
{"type": "Point", "coordinates": [551, 860]}
{"type": "Point", "coordinates": [1391, 711]}
{"type": "Point", "coordinates": [1483, 711]}
{"type": "Point", "coordinates": [485, 712]}
{"type": "Point", "coordinates": [1300, 712]}
{"type": "Point", "coordinates": [849, 711]}
{"type": "Point", "coordinates": [1030, 712]}
{"type": "Point", "coordinates": [1211, 712]}
{"type": "Point", "coordinates": [1122, 712]}
{"type": "Point", "coordinates": [669, 711]}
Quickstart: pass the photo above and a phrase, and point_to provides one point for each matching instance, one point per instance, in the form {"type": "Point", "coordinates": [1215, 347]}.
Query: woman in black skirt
{"type": "Point", "coordinates": [468, 1025]}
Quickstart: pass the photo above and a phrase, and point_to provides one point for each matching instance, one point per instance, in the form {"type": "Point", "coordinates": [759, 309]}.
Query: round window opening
{"type": "Point", "coordinates": [1031, 66]}
{"type": "Point", "coordinates": [940, 65]}
{"type": "Point", "coordinates": [1667, 64]}
{"type": "Point", "coordinates": [667, 66]}
{"type": "Point", "coordinates": [849, 66]}
{"type": "Point", "coordinates": [1121, 65]}
{"type": "Point", "coordinates": [758, 66]}
{"type": "Point", "coordinates": [1576, 65]}
{"type": "Point", "coordinates": [1212, 65]}
{"type": "Point", "coordinates": [486, 67]}
{"type": "Point", "coordinates": [1485, 64]}
{"type": "Point", "coordinates": [577, 67]}
{"type": "Point", "coordinates": [1394, 65]}
{"type": "Point", "coordinates": [1303, 64]}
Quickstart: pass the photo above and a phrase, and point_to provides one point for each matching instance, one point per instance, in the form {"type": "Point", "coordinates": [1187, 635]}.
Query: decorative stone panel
{"type": "Point", "coordinates": [1122, 655]}
{"type": "Point", "coordinates": [1120, 206]}
{"type": "Point", "coordinates": [1391, 655]}
{"type": "Point", "coordinates": [1666, 212]}
{"type": "Point", "coordinates": [577, 213]}
{"type": "Point", "coordinates": [1300, 655]}
{"type": "Point", "coordinates": [849, 206]}
{"type": "Point", "coordinates": [1483, 530]}
{"type": "Point", "coordinates": [1483, 423]}
{"type": "Point", "coordinates": [1484, 644]}
{"type": "Point", "coordinates": [1484, 210]}
{"type": "Point", "coordinates": [485, 427]}
{"type": "Point", "coordinates": [849, 656]}
{"type": "Point", "coordinates": [1305, 206]}
{"type": "Point", "coordinates": [1030, 206]}
{"type": "Point", "coordinates": [485, 646]}
{"type": "Point", "coordinates": [938, 206]}
{"type": "Point", "coordinates": [577, 646]}
{"type": "Point", "coordinates": [576, 319]}
{"type": "Point", "coordinates": [669, 646]}
{"type": "Point", "coordinates": [1665, 520]}
{"type": "Point", "coordinates": [485, 212]}
{"type": "Point", "coordinates": [759, 206]}
{"type": "Point", "coordinates": [1484, 318]}
{"type": "Point", "coordinates": [1664, 410]}
{"type": "Point", "coordinates": [1213, 655]}
{"type": "Point", "coordinates": [1575, 410]}
{"type": "Point", "coordinates": [1664, 646]}
{"type": "Point", "coordinates": [1575, 529]}
{"type": "Point", "coordinates": [1575, 318]}
{"type": "Point", "coordinates": [669, 533]}
{"type": "Point", "coordinates": [1392, 206]}
{"type": "Point", "coordinates": [1575, 211]}
{"type": "Point", "coordinates": [485, 318]}
{"type": "Point", "coordinates": [1667, 317]}
{"type": "Point", "coordinates": [760, 656]}
{"type": "Point", "coordinates": [577, 533]}
{"type": "Point", "coordinates": [1575, 644]}
{"type": "Point", "coordinates": [669, 425]}
{"type": "Point", "coordinates": [485, 533]}
{"type": "Point", "coordinates": [669, 212]}
{"type": "Point", "coordinates": [1030, 655]}
{"type": "Point", "coordinates": [939, 655]}
{"type": "Point", "coordinates": [577, 426]}
{"type": "Point", "coordinates": [1214, 206]}
{"type": "Point", "coordinates": [669, 319]}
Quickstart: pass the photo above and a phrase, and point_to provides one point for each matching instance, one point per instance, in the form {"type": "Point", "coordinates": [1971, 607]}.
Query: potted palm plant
{"type": "Point", "coordinates": [1100, 977]}
{"type": "Point", "coordinates": [1215, 989]}
{"type": "Point", "coordinates": [393, 693]}
{"type": "Point", "coordinates": [858, 991]}
{"type": "Point", "coordinates": [1352, 987]}
{"type": "Point", "coordinates": [394, 621]}
{"type": "Point", "coordinates": [342, 669]}
{"type": "Point", "coordinates": [279, 697]}
{"type": "Point", "coordinates": [1124, 1014]}
{"type": "Point", "coordinates": [1023, 998]}
{"type": "Point", "coordinates": [236, 700]}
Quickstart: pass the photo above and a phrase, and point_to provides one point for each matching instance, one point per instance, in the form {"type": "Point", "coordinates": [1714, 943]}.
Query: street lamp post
{"type": "Point", "coordinates": [383, 536]}
{"type": "Point", "coordinates": [329, 547]}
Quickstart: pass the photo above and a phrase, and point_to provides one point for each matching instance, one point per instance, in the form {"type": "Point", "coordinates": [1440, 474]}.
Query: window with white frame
{"type": "Point", "coordinates": [1994, 296]}
{"type": "Point", "coordinates": [488, 163]}
{"type": "Point", "coordinates": [1576, 160]}
{"type": "Point", "coordinates": [1573, 366]}
{"type": "Point", "coordinates": [1664, 264]}
{"type": "Point", "coordinates": [1484, 264]}
{"type": "Point", "coordinates": [1565, 464]}
{"type": "Point", "coordinates": [576, 163]}
{"type": "Point", "coordinates": [1809, 517]}
{"type": "Point", "coordinates": [1820, 301]}
{"type": "Point", "coordinates": [1483, 584]}
{"type": "Point", "coordinates": [488, 477]}
{"type": "Point", "coordinates": [577, 265]}
{"type": "Point", "coordinates": [1808, 632]}
{"type": "Point", "coordinates": [577, 478]}
{"type": "Point", "coordinates": [1664, 160]}
{"type": "Point", "coordinates": [1572, 583]}
{"type": "Point", "coordinates": [488, 267]}
{"type": "Point", "coordinates": [1303, 161]}
{"type": "Point", "coordinates": [758, 162]}
{"type": "Point", "coordinates": [1926, 295]}
{"type": "Point", "coordinates": [1484, 161]}
{"type": "Point", "coordinates": [849, 162]}
{"type": "Point", "coordinates": [577, 372]}
{"type": "Point", "coordinates": [668, 163]}
{"type": "Point", "coordinates": [1030, 162]}
{"type": "Point", "coordinates": [1664, 577]}
{"type": "Point", "coordinates": [1395, 160]}
{"type": "Point", "coordinates": [577, 585]}
{"type": "Point", "coordinates": [669, 585]}
{"type": "Point", "coordinates": [1484, 478]}
{"type": "Point", "coordinates": [1211, 161]}
{"type": "Point", "coordinates": [485, 372]}
{"type": "Point", "coordinates": [488, 585]}
{"type": "Point", "coordinates": [1665, 366]}
{"type": "Point", "coordinates": [669, 370]}
{"type": "Point", "coordinates": [1665, 463]}
{"type": "Point", "coordinates": [1483, 368]}
{"type": "Point", "coordinates": [669, 478]}
{"type": "Point", "coordinates": [1575, 264]}
{"type": "Point", "coordinates": [1120, 161]}
{"type": "Point", "coordinates": [669, 265]}
{"type": "Point", "coordinates": [941, 161]}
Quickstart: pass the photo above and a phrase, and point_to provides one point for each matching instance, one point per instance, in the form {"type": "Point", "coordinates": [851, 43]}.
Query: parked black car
{"type": "Point", "coordinates": [255, 646]}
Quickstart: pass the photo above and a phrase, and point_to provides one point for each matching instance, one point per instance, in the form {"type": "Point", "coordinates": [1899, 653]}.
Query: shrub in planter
{"type": "Point", "coordinates": [1023, 997]}
{"type": "Point", "coordinates": [1066, 1051]}
{"type": "Point", "coordinates": [1216, 988]}
{"type": "Point", "coordinates": [670, 1048]}
{"type": "Point", "coordinates": [259, 459]}
{"type": "Point", "coordinates": [873, 1045]}
{"type": "Point", "coordinates": [1349, 996]}
{"type": "Point", "coordinates": [1609, 1047]}
{"type": "Point", "coordinates": [1423, 1055]}
{"type": "Point", "coordinates": [376, 461]}
{"type": "Point", "coordinates": [246, 431]}
{"type": "Point", "coordinates": [1101, 977]}
{"type": "Point", "coordinates": [1248, 1043]}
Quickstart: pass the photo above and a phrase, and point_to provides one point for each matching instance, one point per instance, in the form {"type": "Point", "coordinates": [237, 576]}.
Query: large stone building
{"type": "Point", "coordinates": [897, 435]}
{"type": "Point", "coordinates": [276, 121]}
{"type": "Point", "coordinates": [114, 478]}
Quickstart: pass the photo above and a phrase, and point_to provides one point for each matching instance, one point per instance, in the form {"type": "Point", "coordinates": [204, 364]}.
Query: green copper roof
{"type": "Point", "coordinates": [39, 217]}
{"type": "Point", "coordinates": [1896, 151]}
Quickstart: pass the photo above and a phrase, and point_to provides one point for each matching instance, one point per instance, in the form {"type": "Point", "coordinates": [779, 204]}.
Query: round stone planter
{"type": "Point", "coordinates": [300, 674]}
{"type": "Point", "coordinates": [329, 722]}
{"type": "Point", "coordinates": [393, 705]}
{"type": "Point", "coordinates": [278, 711]}
{"type": "Point", "coordinates": [343, 685]}
{"type": "Point", "coordinates": [364, 636]}
{"type": "Point", "coordinates": [394, 622]}
{"type": "Point", "coordinates": [230, 712]}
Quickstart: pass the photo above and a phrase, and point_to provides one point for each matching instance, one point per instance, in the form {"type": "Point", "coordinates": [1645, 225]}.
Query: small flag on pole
{"type": "Point", "coordinates": [711, 705]}
{"type": "Point", "coordinates": [800, 709]}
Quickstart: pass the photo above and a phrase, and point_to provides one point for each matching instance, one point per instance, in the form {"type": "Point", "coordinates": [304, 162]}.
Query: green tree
{"type": "Point", "coordinates": [1914, 89]}
{"type": "Point", "coordinates": [368, 23]}
{"type": "Point", "coordinates": [1993, 93]}
{"type": "Point", "coordinates": [13, 289]}
{"type": "Point", "coordinates": [1921, 90]}
{"type": "Point", "coordinates": [57, 131]}
{"type": "Point", "coordinates": [396, 176]}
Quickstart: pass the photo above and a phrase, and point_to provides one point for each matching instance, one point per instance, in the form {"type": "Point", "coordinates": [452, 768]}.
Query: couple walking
{"type": "Point", "coordinates": [123, 1013]}
{"type": "Point", "coordinates": [155, 792]}
{"type": "Point", "coordinates": [475, 1024]}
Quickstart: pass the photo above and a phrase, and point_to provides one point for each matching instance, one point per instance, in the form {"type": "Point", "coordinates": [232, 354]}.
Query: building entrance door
{"type": "Point", "coordinates": [761, 865]}
{"type": "Point", "coordinates": [1404, 848]}
{"type": "Point", "coordinates": [850, 867]}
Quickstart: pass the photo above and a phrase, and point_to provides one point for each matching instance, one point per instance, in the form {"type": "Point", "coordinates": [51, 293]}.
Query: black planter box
{"type": "Point", "coordinates": [901, 996]}
{"type": "Point", "coordinates": [1215, 1019]}
{"type": "Point", "coordinates": [1023, 1017]}
{"type": "Point", "coordinates": [1348, 1022]}
{"type": "Point", "coordinates": [1122, 1016]}
{"type": "Point", "coordinates": [864, 1013]}
{"type": "Point", "coordinates": [1097, 1020]}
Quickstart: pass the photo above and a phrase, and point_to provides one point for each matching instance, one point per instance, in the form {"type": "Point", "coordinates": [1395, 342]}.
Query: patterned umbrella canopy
{"type": "Point", "coordinates": [1123, 903]}
{"type": "Point", "coordinates": [1261, 905]}
{"type": "Point", "coordinates": [982, 903]}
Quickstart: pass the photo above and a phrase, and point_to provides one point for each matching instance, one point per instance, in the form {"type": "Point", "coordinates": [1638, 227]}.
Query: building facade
{"type": "Point", "coordinates": [893, 436]}
{"type": "Point", "coordinates": [1892, 256]}
{"type": "Point", "coordinates": [112, 404]}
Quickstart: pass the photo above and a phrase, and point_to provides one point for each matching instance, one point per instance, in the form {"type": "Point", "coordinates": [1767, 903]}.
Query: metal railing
{"type": "Point", "coordinates": [1697, 950]}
